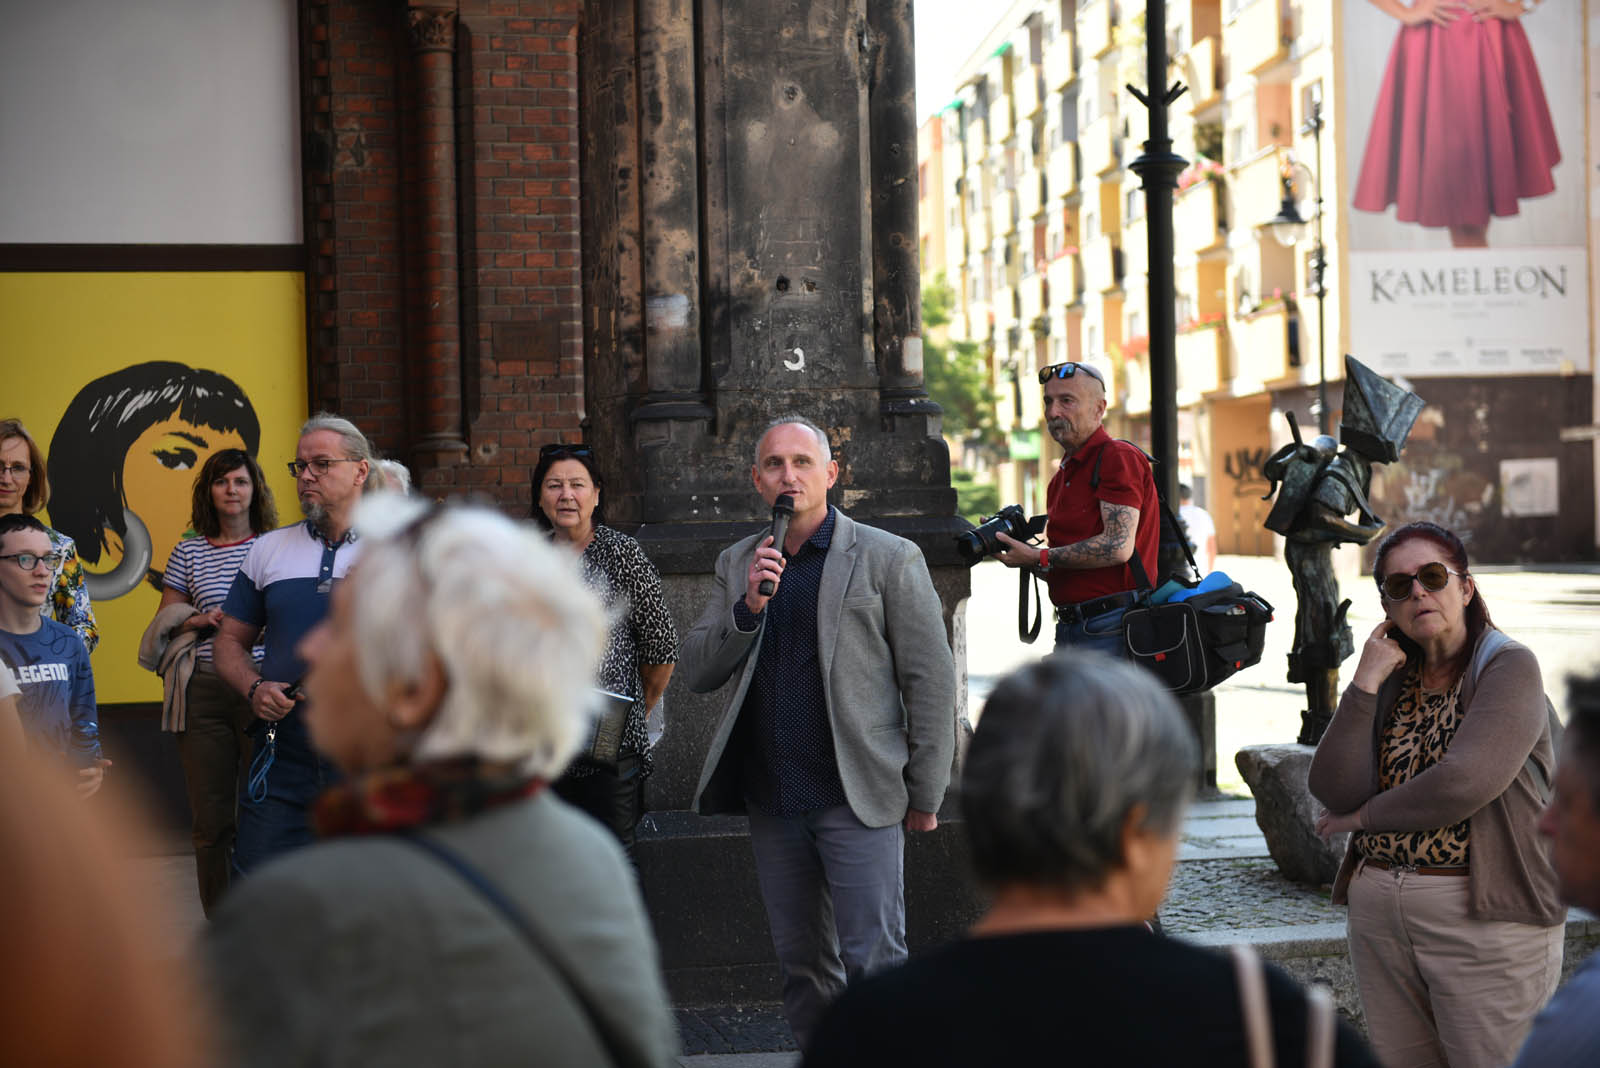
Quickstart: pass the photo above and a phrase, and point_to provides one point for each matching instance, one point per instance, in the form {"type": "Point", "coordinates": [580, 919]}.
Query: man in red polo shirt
{"type": "Point", "coordinates": [1102, 505]}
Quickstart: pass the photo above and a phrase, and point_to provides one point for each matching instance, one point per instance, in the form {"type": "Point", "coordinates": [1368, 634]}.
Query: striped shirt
{"type": "Point", "coordinates": [203, 574]}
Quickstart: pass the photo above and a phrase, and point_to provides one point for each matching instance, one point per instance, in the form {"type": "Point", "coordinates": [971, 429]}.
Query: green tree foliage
{"type": "Point", "coordinates": [953, 371]}
{"type": "Point", "coordinates": [974, 499]}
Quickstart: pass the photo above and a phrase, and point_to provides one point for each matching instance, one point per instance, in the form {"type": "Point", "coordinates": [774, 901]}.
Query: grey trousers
{"type": "Point", "coordinates": [834, 890]}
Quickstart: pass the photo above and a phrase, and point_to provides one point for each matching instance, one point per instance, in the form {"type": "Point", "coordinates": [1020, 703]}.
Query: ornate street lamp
{"type": "Point", "coordinates": [1289, 227]}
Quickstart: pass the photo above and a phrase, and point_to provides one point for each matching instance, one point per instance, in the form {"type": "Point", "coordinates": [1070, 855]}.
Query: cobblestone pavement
{"type": "Point", "coordinates": [734, 1029]}
{"type": "Point", "coordinates": [1212, 895]}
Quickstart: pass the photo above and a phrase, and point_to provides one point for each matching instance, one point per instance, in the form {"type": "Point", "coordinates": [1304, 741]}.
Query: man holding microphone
{"type": "Point", "coordinates": [839, 729]}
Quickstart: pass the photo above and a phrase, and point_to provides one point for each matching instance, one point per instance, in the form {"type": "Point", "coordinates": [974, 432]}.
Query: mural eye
{"type": "Point", "coordinates": [178, 459]}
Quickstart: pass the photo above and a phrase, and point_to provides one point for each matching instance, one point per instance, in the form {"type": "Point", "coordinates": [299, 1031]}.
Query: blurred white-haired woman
{"type": "Point", "coordinates": [456, 912]}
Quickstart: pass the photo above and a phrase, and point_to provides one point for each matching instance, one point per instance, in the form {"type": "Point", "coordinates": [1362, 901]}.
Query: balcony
{"type": "Point", "coordinates": [1201, 68]}
{"type": "Point", "coordinates": [1060, 60]}
{"type": "Point", "coordinates": [1065, 170]}
{"type": "Point", "coordinates": [1257, 37]}
{"type": "Point", "coordinates": [1198, 225]}
{"type": "Point", "coordinates": [1102, 265]}
{"type": "Point", "coordinates": [1257, 188]}
{"type": "Point", "coordinates": [977, 138]}
{"type": "Point", "coordinates": [1025, 87]}
{"type": "Point", "coordinates": [1136, 366]}
{"type": "Point", "coordinates": [1002, 122]}
{"type": "Point", "coordinates": [1101, 147]}
{"type": "Point", "coordinates": [1006, 211]}
{"type": "Point", "coordinates": [1031, 194]}
{"type": "Point", "coordinates": [1031, 293]}
{"type": "Point", "coordinates": [1065, 275]}
{"type": "Point", "coordinates": [1202, 363]}
{"type": "Point", "coordinates": [1261, 345]}
{"type": "Point", "coordinates": [979, 233]}
{"type": "Point", "coordinates": [1097, 28]}
{"type": "Point", "coordinates": [1136, 249]}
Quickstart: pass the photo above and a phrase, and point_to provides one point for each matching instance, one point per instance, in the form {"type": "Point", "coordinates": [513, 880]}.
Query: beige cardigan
{"type": "Point", "coordinates": [172, 657]}
{"type": "Point", "coordinates": [1484, 777]}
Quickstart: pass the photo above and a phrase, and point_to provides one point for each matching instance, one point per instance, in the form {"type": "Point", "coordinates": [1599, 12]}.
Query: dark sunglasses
{"type": "Point", "coordinates": [1067, 370]}
{"type": "Point", "coordinates": [1434, 577]}
{"type": "Point", "coordinates": [564, 450]}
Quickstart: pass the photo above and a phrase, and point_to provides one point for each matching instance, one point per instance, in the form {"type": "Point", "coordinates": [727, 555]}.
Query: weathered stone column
{"type": "Point", "coordinates": [433, 260]}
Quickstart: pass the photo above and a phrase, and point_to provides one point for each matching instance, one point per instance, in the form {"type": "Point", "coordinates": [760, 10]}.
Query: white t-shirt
{"type": "Point", "coordinates": [8, 683]}
{"type": "Point", "coordinates": [1198, 520]}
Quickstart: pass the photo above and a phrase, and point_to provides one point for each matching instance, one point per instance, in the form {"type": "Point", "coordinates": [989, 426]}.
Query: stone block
{"type": "Point", "coordinates": [1287, 813]}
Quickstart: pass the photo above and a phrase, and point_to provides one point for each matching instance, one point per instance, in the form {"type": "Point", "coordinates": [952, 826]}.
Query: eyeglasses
{"type": "Point", "coordinates": [18, 472]}
{"type": "Point", "coordinates": [1067, 370]}
{"type": "Point", "coordinates": [564, 450]}
{"type": "Point", "coordinates": [319, 466]}
{"type": "Point", "coordinates": [29, 561]}
{"type": "Point", "coordinates": [1434, 577]}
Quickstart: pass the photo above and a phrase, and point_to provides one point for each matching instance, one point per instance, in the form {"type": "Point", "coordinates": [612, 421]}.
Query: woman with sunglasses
{"type": "Point", "coordinates": [1439, 760]}
{"type": "Point", "coordinates": [230, 507]}
{"type": "Point", "coordinates": [25, 490]}
{"type": "Point", "coordinates": [643, 646]}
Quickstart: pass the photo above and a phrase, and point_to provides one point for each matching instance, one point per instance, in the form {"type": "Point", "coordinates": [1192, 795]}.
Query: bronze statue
{"type": "Point", "coordinates": [1323, 503]}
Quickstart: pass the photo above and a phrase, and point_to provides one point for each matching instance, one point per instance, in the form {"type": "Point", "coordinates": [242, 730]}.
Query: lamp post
{"type": "Point", "coordinates": [1288, 226]}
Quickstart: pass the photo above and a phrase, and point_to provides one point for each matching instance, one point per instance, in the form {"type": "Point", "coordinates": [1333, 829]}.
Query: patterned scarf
{"type": "Point", "coordinates": [397, 798]}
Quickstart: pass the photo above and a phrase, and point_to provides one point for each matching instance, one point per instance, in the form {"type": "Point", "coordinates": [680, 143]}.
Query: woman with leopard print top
{"type": "Point", "coordinates": [1438, 760]}
{"type": "Point", "coordinates": [643, 646]}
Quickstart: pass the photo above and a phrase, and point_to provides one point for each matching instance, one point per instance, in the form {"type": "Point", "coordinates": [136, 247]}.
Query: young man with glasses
{"type": "Point", "coordinates": [1102, 508]}
{"type": "Point", "coordinates": [48, 661]}
{"type": "Point", "coordinates": [282, 589]}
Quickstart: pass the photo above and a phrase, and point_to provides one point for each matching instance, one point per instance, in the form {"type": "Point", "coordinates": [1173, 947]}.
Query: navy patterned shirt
{"type": "Point", "coordinates": [783, 734]}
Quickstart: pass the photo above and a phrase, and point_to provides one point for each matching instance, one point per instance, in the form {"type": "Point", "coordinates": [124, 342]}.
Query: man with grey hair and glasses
{"type": "Point", "coordinates": [1103, 531]}
{"type": "Point", "coordinates": [282, 588]}
{"type": "Point", "coordinates": [839, 729]}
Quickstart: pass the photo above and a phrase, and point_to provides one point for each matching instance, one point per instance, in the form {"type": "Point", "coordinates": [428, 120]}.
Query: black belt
{"type": "Point", "coordinates": [1077, 613]}
{"type": "Point", "coordinates": [1420, 869]}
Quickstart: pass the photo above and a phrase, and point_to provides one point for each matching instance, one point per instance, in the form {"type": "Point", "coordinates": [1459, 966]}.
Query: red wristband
{"type": "Point", "coordinates": [1044, 558]}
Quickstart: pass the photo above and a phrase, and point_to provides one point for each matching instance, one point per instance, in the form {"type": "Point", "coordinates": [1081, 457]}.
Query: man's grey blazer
{"type": "Point", "coordinates": [887, 673]}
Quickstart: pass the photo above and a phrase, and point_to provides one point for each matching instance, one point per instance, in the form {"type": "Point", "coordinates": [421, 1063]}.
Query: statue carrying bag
{"type": "Point", "coordinates": [1191, 635]}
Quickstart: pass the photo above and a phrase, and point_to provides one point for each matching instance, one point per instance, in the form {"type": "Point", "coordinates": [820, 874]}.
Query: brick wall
{"type": "Point", "coordinates": [517, 176]}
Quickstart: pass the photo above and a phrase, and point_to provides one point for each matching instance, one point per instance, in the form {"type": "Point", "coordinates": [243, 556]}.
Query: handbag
{"type": "Point", "coordinates": [605, 741]}
{"type": "Point", "coordinates": [1252, 986]}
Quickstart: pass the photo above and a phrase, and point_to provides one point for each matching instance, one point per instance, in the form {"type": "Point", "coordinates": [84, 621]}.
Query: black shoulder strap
{"type": "Point", "coordinates": [519, 921]}
{"type": "Point", "coordinates": [1139, 573]}
{"type": "Point", "coordinates": [1026, 633]}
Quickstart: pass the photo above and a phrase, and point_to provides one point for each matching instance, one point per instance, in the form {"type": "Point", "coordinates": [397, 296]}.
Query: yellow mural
{"type": "Point", "coordinates": [129, 381]}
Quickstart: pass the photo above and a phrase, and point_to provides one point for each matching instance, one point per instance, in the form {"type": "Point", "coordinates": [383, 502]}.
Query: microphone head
{"type": "Point", "coordinates": [784, 503]}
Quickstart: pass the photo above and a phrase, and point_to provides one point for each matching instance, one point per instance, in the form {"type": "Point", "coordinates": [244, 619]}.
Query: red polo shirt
{"type": "Point", "coordinates": [1074, 514]}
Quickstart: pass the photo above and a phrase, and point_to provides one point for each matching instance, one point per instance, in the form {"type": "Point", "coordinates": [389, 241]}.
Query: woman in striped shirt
{"type": "Point", "coordinates": [232, 505]}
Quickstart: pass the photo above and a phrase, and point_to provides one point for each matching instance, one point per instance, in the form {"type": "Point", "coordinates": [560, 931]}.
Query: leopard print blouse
{"type": "Point", "coordinates": [1415, 739]}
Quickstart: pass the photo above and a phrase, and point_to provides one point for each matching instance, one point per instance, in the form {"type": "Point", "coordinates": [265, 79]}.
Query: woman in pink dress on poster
{"type": "Point", "coordinates": [1461, 131]}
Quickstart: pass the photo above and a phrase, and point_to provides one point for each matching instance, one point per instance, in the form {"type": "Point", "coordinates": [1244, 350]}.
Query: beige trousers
{"type": "Point", "coordinates": [1439, 988]}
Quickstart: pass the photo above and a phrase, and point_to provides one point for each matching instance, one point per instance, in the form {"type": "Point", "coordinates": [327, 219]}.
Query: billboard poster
{"type": "Point", "coordinates": [129, 382]}
{"type": "Point", "coordinates": [1464, 205]}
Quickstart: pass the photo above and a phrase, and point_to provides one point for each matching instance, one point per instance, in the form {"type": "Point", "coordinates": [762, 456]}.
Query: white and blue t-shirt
{"type": "Point", "coordinates": [204, 574]}
{"type": "Point", "coordinates": [283, 585]}
{"type": "Point", "coordinates": [56, 704]}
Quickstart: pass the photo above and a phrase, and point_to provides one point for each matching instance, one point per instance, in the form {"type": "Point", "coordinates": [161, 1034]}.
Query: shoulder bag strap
{"type": "Point", "coordinates": [1320, 1028]}
{"type": "Point", "coordinates": [1026, 633]}
{"type": "Point", "coordinates": [1253, 998]}
{"type": "Point", "coordinates": [519, 921]}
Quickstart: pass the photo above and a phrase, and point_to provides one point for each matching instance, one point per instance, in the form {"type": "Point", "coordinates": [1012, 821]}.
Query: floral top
{"type": "Point", "coordinates": [615, 566]}
{"type": "Point", "coordinates": [68, 603]}
{"type": "Point", "coordinates": [1416, 738]}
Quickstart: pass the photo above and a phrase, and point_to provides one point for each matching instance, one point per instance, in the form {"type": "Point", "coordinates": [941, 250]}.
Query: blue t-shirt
{"type": "Point", "coordinates": [56, 705]}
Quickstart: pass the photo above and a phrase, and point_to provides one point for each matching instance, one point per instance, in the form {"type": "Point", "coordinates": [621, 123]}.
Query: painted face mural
{"type": "Point", "coordinates": [123, 461]}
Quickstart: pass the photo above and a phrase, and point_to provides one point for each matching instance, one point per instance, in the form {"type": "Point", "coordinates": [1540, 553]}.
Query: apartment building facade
{"type": "Point", "coordinates": [1045, 240]}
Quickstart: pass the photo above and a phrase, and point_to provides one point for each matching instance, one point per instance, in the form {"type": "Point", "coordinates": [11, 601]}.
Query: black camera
{"type": "Point", "coordinates": [982, 540]}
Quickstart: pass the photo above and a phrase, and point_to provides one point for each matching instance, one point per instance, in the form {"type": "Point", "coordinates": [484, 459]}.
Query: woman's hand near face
{"type": "Point", "coordinates": [1380, 657]}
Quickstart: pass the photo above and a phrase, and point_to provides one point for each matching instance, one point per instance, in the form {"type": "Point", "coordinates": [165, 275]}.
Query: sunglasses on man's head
{"type": "Point", "coordinates": [564, 450]}
{"type": "Point", "coordinates": [1067, 370]}
{"type": "Point", "coordinates": [1434, 577]}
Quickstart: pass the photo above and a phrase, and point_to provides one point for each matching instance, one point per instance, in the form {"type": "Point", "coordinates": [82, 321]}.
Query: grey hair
{"type": "Point", "coordinates": [797, 420]}
{"type": "Point", "coordinates": [507, 615]}
{"type": "Point", "coordinates": [391, 475]}
{"type": "Point", "coordinates": [1064, 751]}
{"type": "Point", "coordinates": [355, 442]}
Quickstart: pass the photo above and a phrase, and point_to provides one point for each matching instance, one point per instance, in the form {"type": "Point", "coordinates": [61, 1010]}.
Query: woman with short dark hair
{"type": "Point", "coordinates": [1439, 760]}
{"type": "Point", "coordinates": [25, 490]}
{"type": "Point", "coordinates": [569, 504]}
{"type": "Point", "coordinates": [1072, 798]}
{"type": "Point", "coordinates": [231, 507]}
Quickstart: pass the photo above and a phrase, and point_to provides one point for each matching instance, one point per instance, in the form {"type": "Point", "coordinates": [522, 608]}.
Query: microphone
{"type": "Point", "coordinates": [782, 512]}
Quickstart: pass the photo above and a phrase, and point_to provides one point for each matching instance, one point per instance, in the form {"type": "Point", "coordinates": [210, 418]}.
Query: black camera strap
{"type": "Point", "coordinates": [1024, 632]}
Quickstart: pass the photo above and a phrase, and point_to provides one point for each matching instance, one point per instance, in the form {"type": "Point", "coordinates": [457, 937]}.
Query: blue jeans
{"type": "Point", "coordinates": [280, 821]}
{"type": "Point", "coordinates": [834, 889]}
{"type": "Point", "coordinates": [1102, 633]}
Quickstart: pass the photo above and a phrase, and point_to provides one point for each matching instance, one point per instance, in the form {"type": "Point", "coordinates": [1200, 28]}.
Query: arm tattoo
{"type": "Point", "coordinates": [1110, 546]}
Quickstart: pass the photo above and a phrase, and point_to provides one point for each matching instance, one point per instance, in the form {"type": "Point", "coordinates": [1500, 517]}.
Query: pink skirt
{"type": "Point", "coordinates": [1461, 130]}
